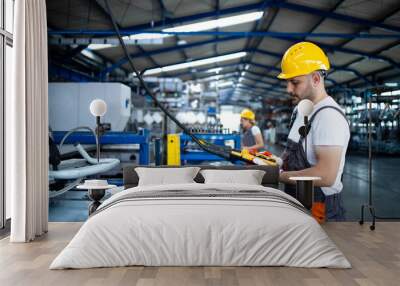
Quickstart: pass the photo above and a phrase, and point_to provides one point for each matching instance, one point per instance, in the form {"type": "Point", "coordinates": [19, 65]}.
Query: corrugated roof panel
{"type": "Point", "coordinates": [341, 76]}
{"type": "Point", "coordinates": [200, 52]}
{"type": "Point", "coordinates": [140, 64]}
{"type": "Point", "coordinates": [235, 3]}
{"type": "Point", "coordinates": [170, 58]}
{"type": "Point", "coordinates": [372, 45]}
{"type": "Point", "coordinates": [264, 59]}
{"type": "Point", "coordinates": [323, 5]}
{"type": "Point", "coordinates": [284, 21]}
{"type": "Point", "coordinates": [339, 59]}
{"type": "Point", "coordinates": [393, 53]}
{"type": "Point", "coordinates": [275, 45]}
{"type": "Point", "coordinates": [369, 65]}
{"type": "Point", "coordinates": [370, 10]}
{"type": "Point", "coordinates": [231, 46]}
{"type": "Point", "coordinates": [167, 42]}
{"type": "Point", "coordinates": [132, 13]}
{"type": "Point", "coordinates": [116, 53]}
{"type": "Point", "coordinates": [185, 7]}
{"type": "Point", "coordinates": [393, 20]}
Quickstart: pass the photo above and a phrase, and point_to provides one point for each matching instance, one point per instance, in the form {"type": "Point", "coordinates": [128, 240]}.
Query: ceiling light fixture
{"type": "Point", "coordinates": [195, 27]}
{"type": "Point", "coordinates": [195, 63]}
{"type": "Point", "coordinates": [218, 23]}
{"type": "Point", "coordinates": [214, 70]}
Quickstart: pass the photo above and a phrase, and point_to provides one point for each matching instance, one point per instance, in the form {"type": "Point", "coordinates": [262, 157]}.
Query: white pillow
{"type": "Point", "coordinates": [166, 176]}
{"type": "Point", "coordinates": [248, 177]}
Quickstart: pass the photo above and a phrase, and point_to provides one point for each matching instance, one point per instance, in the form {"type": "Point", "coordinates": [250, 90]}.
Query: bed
{"type": "Point", "coordinates": [198, 224]}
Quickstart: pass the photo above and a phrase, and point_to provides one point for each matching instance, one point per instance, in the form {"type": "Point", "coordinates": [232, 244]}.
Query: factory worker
{"type": "Point", "coordinates": [252, 139]}
{"type": "Point", "coordinates": [304, 67]}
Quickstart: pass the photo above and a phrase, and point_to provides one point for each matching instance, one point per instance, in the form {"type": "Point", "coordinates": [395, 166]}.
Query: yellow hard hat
{"type": "Point", "coordinates": [248, 114]}
{"type": "Point", "coordinates": [301, 59]}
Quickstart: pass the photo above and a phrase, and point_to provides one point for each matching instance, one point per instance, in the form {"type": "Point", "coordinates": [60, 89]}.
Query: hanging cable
{"type": "Point", "coordinates": [222, 151]}
{"type": "Point", "coordinates": [225, 152]}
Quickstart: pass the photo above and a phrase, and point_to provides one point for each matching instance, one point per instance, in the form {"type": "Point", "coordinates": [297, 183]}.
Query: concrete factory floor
{"type": "Point", "coordinates": [386, 192]}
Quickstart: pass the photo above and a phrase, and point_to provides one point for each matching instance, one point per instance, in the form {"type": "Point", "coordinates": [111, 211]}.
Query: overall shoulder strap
{"type": "Point", "coordinates": [327, 107]}
{"type": "Point", "coordinates": [293, 118]}
{"type": "Point", "coordinates": [318, 111]}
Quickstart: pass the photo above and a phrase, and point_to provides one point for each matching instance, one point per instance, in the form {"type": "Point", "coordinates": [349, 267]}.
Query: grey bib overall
{"type": "Point", "coordinates": [295, 159]}
{"type": "Point", "coordinates": [248, 138]}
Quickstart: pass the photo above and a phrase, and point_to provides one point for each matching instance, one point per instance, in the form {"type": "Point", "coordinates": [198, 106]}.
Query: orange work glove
{"type": "Point", "coordinates": [318, 212]}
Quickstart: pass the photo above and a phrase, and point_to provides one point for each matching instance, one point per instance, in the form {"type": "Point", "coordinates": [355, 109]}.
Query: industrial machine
{"type": "Point", "coordinates": [111, 140]}
{"type": "Point", "coordinates": [66, 174]}
{"type": "Point", "coordinates": [182, 150]}
{"type": "Point", "coordinates": [69, 104]}
{"type": "Point", "coordinates": [383, 114]}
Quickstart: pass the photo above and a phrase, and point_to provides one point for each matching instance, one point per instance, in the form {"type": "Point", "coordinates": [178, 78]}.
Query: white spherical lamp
{"type": "Point", "coordinates": [305, 107]}
{"type": "Point", "coordinates": [98, 107]}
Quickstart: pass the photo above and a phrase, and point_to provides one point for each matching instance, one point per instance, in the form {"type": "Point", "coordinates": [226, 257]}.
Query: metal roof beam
{"type": "Point", "coordinates": [262, 6]}
{"type": "Point", "coordinates": [256, 92]}
{"type": "Point", "coordinates": [261, 24]}
{"type": "Point", "coordinates": [124, 60]}
{"type": "Point", "coordinates": [69, 74]}
{"type": "Point", "coordinates": [275, 86]}
{"type": "Point", "coordinates": [252, 93]}
{"type": "Point", "coordinates": [335, 16]}
{"type": "Point", "coordinates": [339, 48]}
{"type": "Point", "coordinates": [328, 48]}
{"type": "Point", "coordinates": [273, 54]}
{"type": "Point", "coordinates": [198, 59]}
{"type": "Point", "coordinates": [374, 73]}
{"type": "Point", "coordinates": [381, 19]}
{"type": "Point", "coordinates": [258, 34]}
{"type": "Point", "coordinates": [255, 87]}
{"type": "Point", "coordinates": [222, 76]}
{"type": "Point", "coordinates": [101, 76]}
{"type": "Point", "coordinates": [162, 8]}
{"type": "Point", "coordinates": [241, 69]}
{"type": "Point", "coordinates": [332, 48]}
{"type": "Point", "coordinates": [342, 68]}
{"type": "Point", "coordinates": [197, 70]}
{"type": "Point", "coordinates": [200, 16]}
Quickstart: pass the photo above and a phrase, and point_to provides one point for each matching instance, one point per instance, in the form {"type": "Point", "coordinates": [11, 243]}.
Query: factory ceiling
{"type": "Point", "coordinates": [361, 39]}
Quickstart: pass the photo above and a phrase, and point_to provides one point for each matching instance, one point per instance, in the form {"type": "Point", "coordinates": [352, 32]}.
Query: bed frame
{"type": "Point", "coordinates": [270, 179]}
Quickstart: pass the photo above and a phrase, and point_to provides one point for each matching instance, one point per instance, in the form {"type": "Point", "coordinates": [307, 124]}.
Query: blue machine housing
{"type": "Point", "coordinates": [196, 155]}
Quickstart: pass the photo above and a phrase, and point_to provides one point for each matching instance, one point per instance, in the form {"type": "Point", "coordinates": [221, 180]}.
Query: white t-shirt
{"type": "Point", "coordinates": [329, 128]}
{"type": "Point", "coordinates": [255, 130]}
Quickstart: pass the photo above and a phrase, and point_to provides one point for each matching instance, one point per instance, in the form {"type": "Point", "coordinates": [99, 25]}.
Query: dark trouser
{"type": "Point", "coordinates": [334, 210]}
{"type": "Point", "coordinates": [295, 159]}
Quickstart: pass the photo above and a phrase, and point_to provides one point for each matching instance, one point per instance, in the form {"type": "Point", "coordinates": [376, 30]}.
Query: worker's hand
{"type": "Point", "coordinates": [283, 176]}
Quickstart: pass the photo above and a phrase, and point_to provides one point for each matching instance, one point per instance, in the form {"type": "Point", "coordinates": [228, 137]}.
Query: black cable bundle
{"type": "Point", "coordinates": [222, 151]}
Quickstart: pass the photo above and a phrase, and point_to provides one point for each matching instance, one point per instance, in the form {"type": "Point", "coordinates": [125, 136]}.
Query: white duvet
{"type": "Point", "coordinates": [202, 231]}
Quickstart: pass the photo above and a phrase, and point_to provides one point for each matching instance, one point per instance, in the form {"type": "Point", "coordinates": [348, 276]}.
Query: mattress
{"type": "Point", "coordinates": [201, 225]}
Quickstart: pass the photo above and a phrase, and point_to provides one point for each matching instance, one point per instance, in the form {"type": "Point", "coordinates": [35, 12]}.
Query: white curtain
{"type": "Point", "coordinates": [27, 123]}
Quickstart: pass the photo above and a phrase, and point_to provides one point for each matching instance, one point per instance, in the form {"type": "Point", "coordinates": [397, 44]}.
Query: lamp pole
{"type": "Point", "coordinates": [98, 108]}
{"type": "Point", "coordinates": [369, 206]}
{"type": "Point", "coordinates": [98, 138]}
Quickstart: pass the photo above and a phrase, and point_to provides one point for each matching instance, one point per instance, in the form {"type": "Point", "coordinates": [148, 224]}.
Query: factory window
{"type": "Point", "coordinates": [6, 63]}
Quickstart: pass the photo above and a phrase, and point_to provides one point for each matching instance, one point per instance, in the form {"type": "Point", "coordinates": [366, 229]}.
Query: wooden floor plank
{"type": "Point", "coordinates": [375, 257]}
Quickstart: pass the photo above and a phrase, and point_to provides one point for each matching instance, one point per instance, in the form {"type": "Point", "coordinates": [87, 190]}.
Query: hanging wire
{"type": "Point", "coordinates": [222, 151]}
